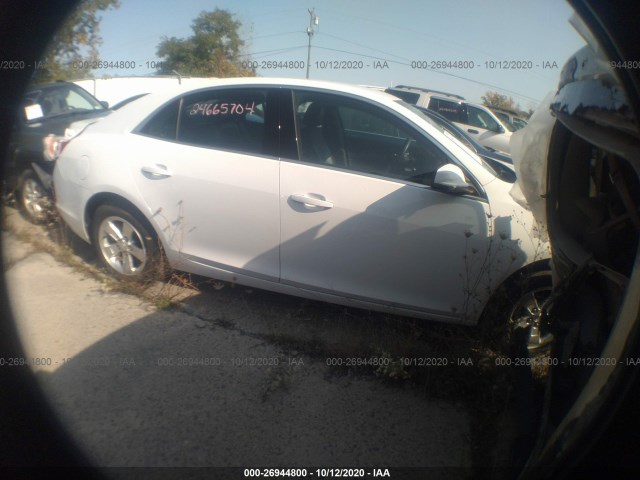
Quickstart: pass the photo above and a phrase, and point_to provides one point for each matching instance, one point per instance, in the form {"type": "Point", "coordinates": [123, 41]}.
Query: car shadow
{"type": "Point", "coordinates": [176, 389]}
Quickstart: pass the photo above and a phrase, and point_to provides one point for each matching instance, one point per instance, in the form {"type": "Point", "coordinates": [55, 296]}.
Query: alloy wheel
{"type": "Point", "coordinates": [528, 313]}
{"type": "Point", "coordinates": [35, 200]}
{"type": "Point", "coordinates": [122, 246]}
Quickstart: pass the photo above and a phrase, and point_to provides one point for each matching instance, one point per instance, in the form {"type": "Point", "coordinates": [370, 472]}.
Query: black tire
{"type": "Point", "coordinates": [125, 244]}
{"type": "Point", "coordinates": [34, 201]}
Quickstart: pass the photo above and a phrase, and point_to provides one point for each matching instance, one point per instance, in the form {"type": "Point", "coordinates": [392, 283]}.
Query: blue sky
{"type": "Point", "coordinates": [535, 33]}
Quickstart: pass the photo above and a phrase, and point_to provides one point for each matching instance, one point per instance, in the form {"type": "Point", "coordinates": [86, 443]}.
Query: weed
{"type": "Point", "coordinates": [163, 303]}
{"type": "Point", "coordinates": [391, 368]}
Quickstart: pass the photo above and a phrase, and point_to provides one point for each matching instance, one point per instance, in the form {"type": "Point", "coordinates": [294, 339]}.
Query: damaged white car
{"type": "Point", "coordinates": [321, 190]}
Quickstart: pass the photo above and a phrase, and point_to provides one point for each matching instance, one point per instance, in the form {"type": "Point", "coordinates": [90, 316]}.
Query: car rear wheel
{"type": "Point", "coordinates": [124, 244]}
{"type": "Point", "coordinates": [33, 199]}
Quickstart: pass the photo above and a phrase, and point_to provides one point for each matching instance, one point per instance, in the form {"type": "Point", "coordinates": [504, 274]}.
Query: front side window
{"type": "Point", "coordinates": [481, 119]}
{"type": "Point", "coordinates": [225, 119]}
{"type": "Point", "coordinates": [345, 133]}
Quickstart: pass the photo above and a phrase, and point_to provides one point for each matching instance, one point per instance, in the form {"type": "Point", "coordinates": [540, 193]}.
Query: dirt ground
{"type": "Point", "coordinates": [229, 376]}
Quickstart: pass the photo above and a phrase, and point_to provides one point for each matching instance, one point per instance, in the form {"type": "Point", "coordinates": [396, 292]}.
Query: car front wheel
{"type": "Point", "coordinates": [516, 313]}
{"type": "Point", "coordinates": [125, 246]}
{"type": "Point", "coordinates": [527, 312]}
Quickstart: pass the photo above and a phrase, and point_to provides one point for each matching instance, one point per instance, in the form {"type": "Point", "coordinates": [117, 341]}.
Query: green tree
{"type": "Point", "coordinates": [76, 40]}
{"type": "Point", "coordinates": [495, 100]}
{"type": "Point", "coordinates": [214, 49]}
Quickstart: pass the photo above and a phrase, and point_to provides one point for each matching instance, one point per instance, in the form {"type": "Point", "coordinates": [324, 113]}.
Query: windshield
{"type": "Point", "coordinates": [63, 99]}
{"type": "Point", "coordinates": [451, 132]}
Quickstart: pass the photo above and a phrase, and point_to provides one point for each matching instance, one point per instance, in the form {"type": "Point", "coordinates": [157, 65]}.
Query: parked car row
{"type": "Point", "coordinates": [316, 189]}
{"type": "Point", "coordinates": [511, 116]}
{"type": "Point", "coordinates": [499, 161]}
{"type": "Point", "coordinates": [47, 111]}
{"type": "Point", "coordinates": [490, 127]}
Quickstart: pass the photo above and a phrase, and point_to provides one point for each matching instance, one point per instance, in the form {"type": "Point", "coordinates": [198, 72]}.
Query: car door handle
{"type": "Point", "coordinates": [156, 170]}
{"type": "Point", "coordinates": [306, 200]}
{"type": "Point", "coordinates": [471, 130]}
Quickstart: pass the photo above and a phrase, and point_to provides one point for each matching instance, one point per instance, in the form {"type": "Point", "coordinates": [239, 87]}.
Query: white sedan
{"type": "Point", "coordinates": [315, 189]}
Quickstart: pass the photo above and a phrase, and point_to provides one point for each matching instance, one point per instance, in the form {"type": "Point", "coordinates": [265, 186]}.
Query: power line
{"type": "Point", "coordinates": [325, 34]}
{"type": "Point", "coordinates": [270, 53]}
{"type": "Point", "coordinates": [444, 41]}
{"type": "Point", "coordinates": [277, 51]}
{"type": "Point", "coordinates": [277, 34]}
{"type": "Point", "coordinates": [433, 70]}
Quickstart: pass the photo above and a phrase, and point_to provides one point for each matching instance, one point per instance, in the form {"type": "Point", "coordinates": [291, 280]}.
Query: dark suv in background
{"type": "Point", "coordinates": [47, 109]}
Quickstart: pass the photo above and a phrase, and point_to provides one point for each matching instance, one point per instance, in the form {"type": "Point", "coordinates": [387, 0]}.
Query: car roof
{"type": "Point", "coordinates": [129, 116]}
{"type": "Point", "coordinates": [126, 119]}
{"type": "Point", "coordinates": [428, 91]}
{"type": "Point", "coordinates": [50, 86]}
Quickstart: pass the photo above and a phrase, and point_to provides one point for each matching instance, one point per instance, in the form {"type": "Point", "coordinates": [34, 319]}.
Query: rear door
{"type": "Point", "coordinates": [212, 188]}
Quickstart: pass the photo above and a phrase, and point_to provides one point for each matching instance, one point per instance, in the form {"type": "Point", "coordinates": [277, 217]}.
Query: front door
{"type": "Point", "coordinates": [358, 216]}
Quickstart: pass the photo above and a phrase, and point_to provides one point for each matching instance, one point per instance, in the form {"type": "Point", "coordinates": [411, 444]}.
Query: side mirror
{"type": "Point", "coordinates": [499, 129]}
{"type": "Point", "coordinates": [104, 104]}
{"type": "Point", "coordinates": [450, 178]}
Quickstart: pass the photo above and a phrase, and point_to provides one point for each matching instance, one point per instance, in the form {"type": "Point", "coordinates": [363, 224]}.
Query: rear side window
{"type": "Point", "coordinates": [225, 119]}
{"type": "Point", "coordinates": [450, 110]}
{"type": "Point", "coordinates": [163, 124]}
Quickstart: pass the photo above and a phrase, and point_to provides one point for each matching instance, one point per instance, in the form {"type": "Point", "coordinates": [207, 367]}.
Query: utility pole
{"type": "Point", "coordinates": [313, 20]}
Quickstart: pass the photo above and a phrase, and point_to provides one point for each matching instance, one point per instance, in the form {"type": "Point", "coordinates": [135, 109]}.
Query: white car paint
{"type": "Point", "coordinates": [497, 140]}
{"type": "Point", "coordinates": [305, 229]}
{"type": "Point", "coordinates": [115, 89]}
{"type": "Point", "coordinates": [239, 191]}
